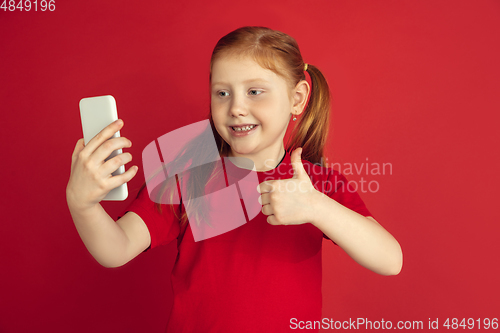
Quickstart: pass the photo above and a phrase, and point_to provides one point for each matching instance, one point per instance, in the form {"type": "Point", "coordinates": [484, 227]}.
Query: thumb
{"type": "Point", "coordinates": [78, 148]}
{"type": "Point", "coordinates": [298, 167]}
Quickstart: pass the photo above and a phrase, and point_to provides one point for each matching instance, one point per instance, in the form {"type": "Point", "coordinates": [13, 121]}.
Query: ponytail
{"type": "Point", "coordinates": [312, 130]}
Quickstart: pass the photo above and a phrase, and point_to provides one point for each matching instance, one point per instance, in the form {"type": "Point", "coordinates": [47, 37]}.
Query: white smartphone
{"type": "Point", "coordinates": [97, 113]}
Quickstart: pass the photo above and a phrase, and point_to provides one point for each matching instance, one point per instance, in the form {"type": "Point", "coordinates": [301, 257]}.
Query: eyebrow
{"type": "Point", "coordinates": [246, 81]}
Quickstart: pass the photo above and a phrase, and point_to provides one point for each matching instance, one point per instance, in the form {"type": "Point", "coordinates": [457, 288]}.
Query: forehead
{"type": "Point", "coordinates": [241, 69]}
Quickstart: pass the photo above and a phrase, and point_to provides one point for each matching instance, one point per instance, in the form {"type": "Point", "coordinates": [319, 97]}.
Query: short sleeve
{"type": "Point", "coordinates": [344, 193]}
{"type": "Point", "coordinates": [163, 227]}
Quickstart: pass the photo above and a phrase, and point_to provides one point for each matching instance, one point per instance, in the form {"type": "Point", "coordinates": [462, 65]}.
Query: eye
{"type": "Point", "coordinates": [222, 93]}
{"type": "Point", "coordinates": [255, 92]}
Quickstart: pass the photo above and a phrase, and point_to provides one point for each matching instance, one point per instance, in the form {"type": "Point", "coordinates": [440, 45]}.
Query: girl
{"type": "Point", "coordinates": [264, 276]}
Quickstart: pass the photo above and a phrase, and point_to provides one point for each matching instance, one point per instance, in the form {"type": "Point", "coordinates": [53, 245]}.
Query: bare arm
{"type": "Point", "coordinates": [111, 243]}
{"type": "Point", "coordinates": [362, 238]}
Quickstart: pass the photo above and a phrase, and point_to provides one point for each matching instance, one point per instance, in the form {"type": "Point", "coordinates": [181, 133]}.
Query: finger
{"type": "Point", "coordinates": [267, 210]}
{"type": "Point", "coordinates": [298, 167]}
{"type": "Point", "coordinates": [113, 164]}
{"type": "Point", "coordinates": [265, 199]}
{"type": "Point", "coordinates": [80, 144]}
{"type": "Point", "coordinates": [272, 220]}
{"type": "Point", "coordinates": [108, 147]}
{"type": "Point", "coordinates": [106, 133]}
{"type": "Point", "coordinates": [78, 148]}
{"type": "Point", "coordinates": [125, 177]}
{"type": "Point", "coordinates": [265, 187]}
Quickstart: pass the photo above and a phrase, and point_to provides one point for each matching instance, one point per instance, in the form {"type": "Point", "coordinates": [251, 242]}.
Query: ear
{"type": "Point", "coordinates": [300, 95]}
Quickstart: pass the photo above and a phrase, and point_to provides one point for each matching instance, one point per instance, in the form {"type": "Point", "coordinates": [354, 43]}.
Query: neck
{"type": "Point", "coordinates": [264, 161]}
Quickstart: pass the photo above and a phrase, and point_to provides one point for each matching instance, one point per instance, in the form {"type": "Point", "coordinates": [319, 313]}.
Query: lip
{"type": "Point", "coordinates": [241, 125]}
{"type": "Point", "coordinates": [234, 133]}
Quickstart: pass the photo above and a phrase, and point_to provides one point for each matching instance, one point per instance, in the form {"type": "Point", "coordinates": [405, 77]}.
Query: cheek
{"type": "Point", "coordinates": [216, 113]}
{"type": "Point", "coordinates": [277, 112]}
{"type": "Point", "coordinates": [219, 121]}
{"type": "Point", "coordinates": [279, 104]}
{"type": "Point", "coordinates": [266, 103]}
{"type": "Point", "coordinates": [267, 109]}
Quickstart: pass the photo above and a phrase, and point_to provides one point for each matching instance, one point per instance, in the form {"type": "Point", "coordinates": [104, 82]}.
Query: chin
{"type": "Point", "coordinates": [242, 150]}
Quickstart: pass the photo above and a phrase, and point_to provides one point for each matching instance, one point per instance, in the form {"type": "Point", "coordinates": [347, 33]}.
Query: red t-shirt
{"type": "Point", "coordinates": [255, 278]}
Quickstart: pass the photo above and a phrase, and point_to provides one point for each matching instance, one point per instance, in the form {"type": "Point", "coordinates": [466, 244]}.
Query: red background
{"type": "Point", "coordinates": [414, 84]}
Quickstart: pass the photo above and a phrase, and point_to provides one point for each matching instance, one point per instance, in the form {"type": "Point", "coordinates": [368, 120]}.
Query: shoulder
{"type": "Point", "coordinates": [160, 218]}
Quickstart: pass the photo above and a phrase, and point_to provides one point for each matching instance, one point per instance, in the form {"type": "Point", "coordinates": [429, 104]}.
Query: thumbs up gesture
{"type": "Point", "coordinates": [289, 201]}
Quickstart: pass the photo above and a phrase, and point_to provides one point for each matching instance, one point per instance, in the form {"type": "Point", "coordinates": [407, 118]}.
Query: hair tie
{"type": "Point", "coordinates": [305, 67]}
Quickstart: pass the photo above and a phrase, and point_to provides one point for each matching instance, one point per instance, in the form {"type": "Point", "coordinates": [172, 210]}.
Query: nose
{"type": "Point", "coordinates": [238, 108]}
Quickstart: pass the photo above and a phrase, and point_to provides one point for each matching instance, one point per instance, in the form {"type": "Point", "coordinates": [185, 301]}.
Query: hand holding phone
{"type": "Point", "coordinates": [97, 170]}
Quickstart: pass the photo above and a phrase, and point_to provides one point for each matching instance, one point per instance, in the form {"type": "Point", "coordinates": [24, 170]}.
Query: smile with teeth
{"type": "Point", "coordinates": [243, 129]}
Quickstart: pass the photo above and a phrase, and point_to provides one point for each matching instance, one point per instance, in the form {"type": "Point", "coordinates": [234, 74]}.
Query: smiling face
{"type": "Point", "coordinates": [251, 108]}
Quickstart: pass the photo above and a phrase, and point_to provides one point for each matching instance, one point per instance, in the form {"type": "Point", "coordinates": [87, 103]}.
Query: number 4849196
{"type": "Point", "coordinates": [27, 5]}
{"type": "Point", "coordinates": [486, 323]}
